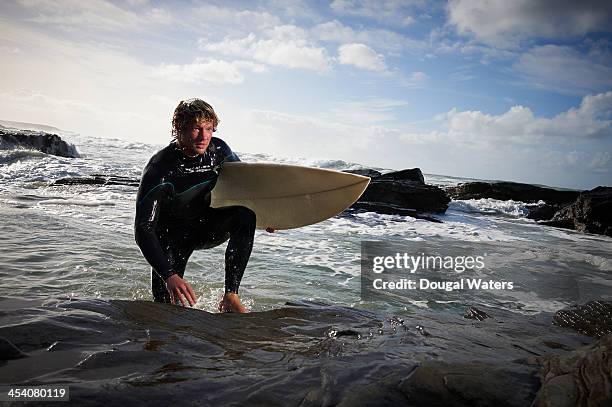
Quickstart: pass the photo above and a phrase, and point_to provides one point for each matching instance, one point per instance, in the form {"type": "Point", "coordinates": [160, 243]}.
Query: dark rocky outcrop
{"type": "Point", "coordinates": [592, 319]}
{"type": "Point", "coordinates": [406, 194]}
{"type": "Point", "coordinates": [586, 211]}
{"type": "Point", "coordinates": [366, 172]}
{"type": "Point", "coordinates": [402, 193]}
{"type": "Point", "coordinates": [591, 212]}
{"type": "Point", "coordinates": [37, 140]}
{"type": "Point", "coordinates": [544, 212]}
{"type": "Point", "coordinates": [582, 377]}
{"type": "Point", "coordinates": [412, 174]}
{"type": "Point", "coordinates": [475, 313]}
{"type": "Point", "coordinates": [325, 355]}
{"type": "Point", "coordinates": [579, 378]}
{"type": "Point", "coordinates": [511, 190]}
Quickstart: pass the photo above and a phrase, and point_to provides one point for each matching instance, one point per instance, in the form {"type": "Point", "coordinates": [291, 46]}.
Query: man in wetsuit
{"type": "Point", "coordinates": [173, 213]}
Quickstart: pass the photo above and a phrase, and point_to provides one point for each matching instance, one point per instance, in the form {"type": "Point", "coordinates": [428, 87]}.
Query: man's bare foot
{"type": "Point", "coordinates": [231, 303]}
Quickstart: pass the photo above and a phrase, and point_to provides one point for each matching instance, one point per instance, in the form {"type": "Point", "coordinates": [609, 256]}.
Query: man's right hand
{"type": "Point", "coordinates": [181, 290]}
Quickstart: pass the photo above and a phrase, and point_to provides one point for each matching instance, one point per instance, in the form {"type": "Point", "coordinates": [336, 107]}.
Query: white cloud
{"type": "Point", "coordinates": [368, 111]}
{"type": "Point", "coordinates": [214, 71]}
{"type": "Point", "coordinates": [137, 2]}
{"type": "Point", "coordinates": [292, 55]}
{"type": "Point", "coordinates": [94, 14]}
{"type": "Point", "coordinates": [336, 32]}
{"type": "Point", "coordinates": [291, 135]}
{"type": "Point", "coordinates": [42, 101]}
{"type": "Point", "coordinates": [4, 49]}
{"type": "Point", "coordinates": [601, 161]}
{"type": "Point", "coordinates": [159, 16]}
{"type": "Point", "coordinates": [230, 46]}
{"type": "Point", "coordinates": [568, 149]}
{"type": "Point", "coordinates": [462, 76]}
{"type": "Point", "coordinates": [75, 114]}
{"type": "Point", "coordinates": [281, 46]}
{"type": "Point", "coordinates": [597, 106]}
{"type": "Point", "coordinates": [506, 23]}
{"type": "Point", "coordinates": [72, 69]}
{"type": "Point", "coordinates": [487, 54]}
{"type": "Point", "coordinates": [225, 18]}
{"type": "Point", "coordinates": [415, 80]}
{"type": "Point", "coordinates": [294, 8]}
{"type": "Point", "coordinates": [423, 138]}
{"type": "Point", "coordinates": [394, 12]}
{"type": "Point", "coordinates": [598, 162]}
{"type": "Point", "coordinates": [88, 88]}
{"type": "Point", "coordinates": [163, 100]}
{"type": "Point", "coordinates": [591, 120]}
{"type": "Point", "coordinates": [563, 69]}
{"type": "Point", "coordinates": [361, 56]}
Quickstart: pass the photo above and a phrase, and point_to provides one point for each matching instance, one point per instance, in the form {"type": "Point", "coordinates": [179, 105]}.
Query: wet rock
{"type": "Point", "coordinates": [580, 378]}
{"type": "Point", "coordinates": [421, 329]}
{"type": "Point", "coordinates": [121, 352]}
{"type": "Point", "coordinates": [98, 179]}
{"type": "Point", "coordinates": [401, 193]}
{"type": "Point", "coordinates": [9, 351]}
{"type": "Point", "coordinates": [37, 140]}
{"type": "Point", "coordinates": [439, 383]}
{"type": "Point", "coordinates": [475, 313]}
{"type": "Point", "coordinates": [592, 319]}
{"type": "Point", "coordinates": [384, 393]}
{"type": "Point", "coordinates": [406, 195]}
{"type": "Point", "coordinates": [404, 190]}
{"type": "Point", "coordinates": [591, 212]}
{"type": "Point", "coordinates": [345, 332]}
{"type": "Point", "coordinates": [411, 174]}
{"type": "Point", "coordinates": [544, 212]}
{"type": "Point", "coordinates": [511, 191]}
{"type": "Point", "coordinates": [366, 172]}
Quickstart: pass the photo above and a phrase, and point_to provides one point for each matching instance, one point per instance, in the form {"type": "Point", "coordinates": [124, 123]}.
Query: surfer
{"type": "Point", "coordinates": [173, 213]}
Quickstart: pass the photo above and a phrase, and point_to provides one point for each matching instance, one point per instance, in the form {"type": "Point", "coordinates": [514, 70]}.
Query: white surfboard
{"type": "Point", "coordinates": [287, 196]}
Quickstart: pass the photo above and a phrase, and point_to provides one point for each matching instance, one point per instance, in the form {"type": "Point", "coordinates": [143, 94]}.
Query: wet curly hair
{"type": "Point", "coordinates": [189, 112]}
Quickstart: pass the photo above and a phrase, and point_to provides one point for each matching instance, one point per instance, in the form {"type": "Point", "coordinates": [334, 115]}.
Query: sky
{"type": "Point", "coordinates": [511, 90]}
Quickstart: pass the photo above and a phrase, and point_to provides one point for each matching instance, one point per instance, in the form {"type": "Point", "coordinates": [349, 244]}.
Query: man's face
{"type": "Point", "coordinates": [196, 138]}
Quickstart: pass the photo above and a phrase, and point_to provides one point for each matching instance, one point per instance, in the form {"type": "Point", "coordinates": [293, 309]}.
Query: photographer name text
{"type": "Point", "coordinates": [426, 284]}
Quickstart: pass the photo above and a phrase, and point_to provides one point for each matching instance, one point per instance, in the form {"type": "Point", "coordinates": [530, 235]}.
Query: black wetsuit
{"type": "Point", "coordinates": [174, 217]}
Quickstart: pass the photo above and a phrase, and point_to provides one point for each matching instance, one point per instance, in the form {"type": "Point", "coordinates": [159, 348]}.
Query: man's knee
{"type": "Point", "coordinates": [246, 216]}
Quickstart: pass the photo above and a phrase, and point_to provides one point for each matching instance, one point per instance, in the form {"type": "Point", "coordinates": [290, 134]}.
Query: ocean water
{"type": "Point", "coordinates": [76, 309]}
{"type": "Point", "coordinates": [77, 242]}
